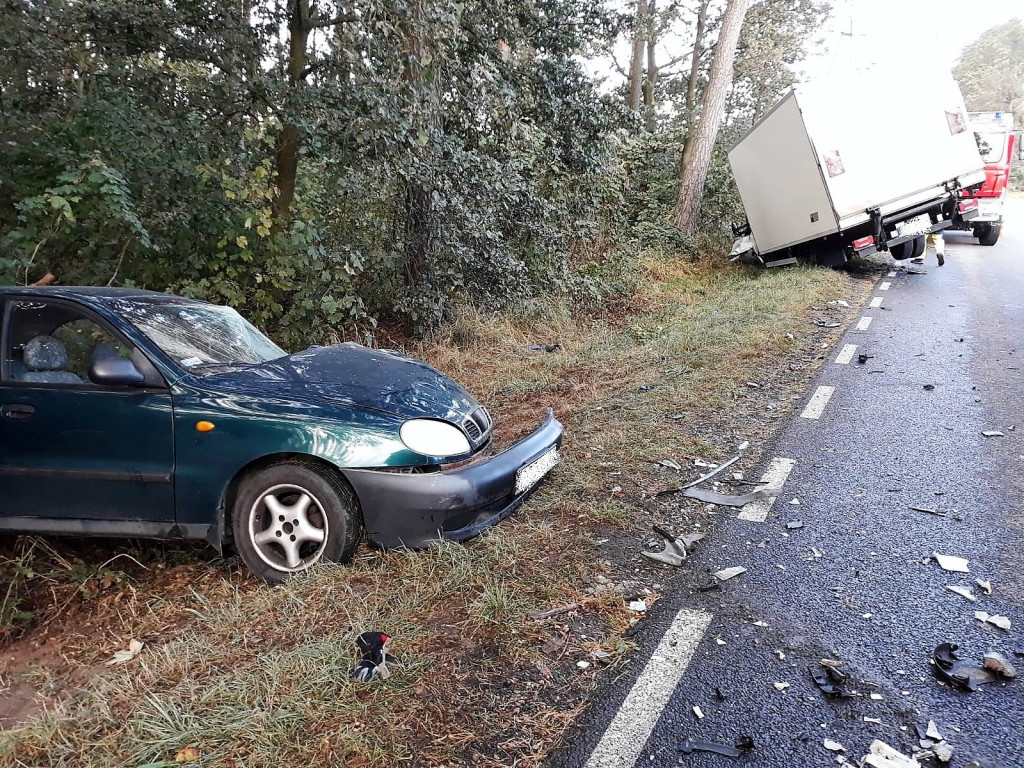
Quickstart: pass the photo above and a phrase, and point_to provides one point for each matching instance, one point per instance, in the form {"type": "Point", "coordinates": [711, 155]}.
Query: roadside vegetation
{"type": "Point", "coordinates": [245, 673]}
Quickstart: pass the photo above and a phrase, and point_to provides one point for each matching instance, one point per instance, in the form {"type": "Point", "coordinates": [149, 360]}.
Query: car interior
{"type": "Point", "coordinates": [53, 343]}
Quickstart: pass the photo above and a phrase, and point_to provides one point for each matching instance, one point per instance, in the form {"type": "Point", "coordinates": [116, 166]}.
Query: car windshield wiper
{"type": "Point", "coordinates": [224, 364]}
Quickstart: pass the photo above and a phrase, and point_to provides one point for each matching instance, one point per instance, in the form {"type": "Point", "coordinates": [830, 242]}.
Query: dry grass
{"type": "Point", "coordinates": [258, 676]}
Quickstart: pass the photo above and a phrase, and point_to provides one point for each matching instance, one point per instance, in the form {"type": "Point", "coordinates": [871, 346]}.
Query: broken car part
{"type": "Point", "coordinates": [717, 470]}
{"type": "Point", "coordinates": [710, 497]}
{"type": "Point", "coordinates": [727, 573]}
{"type": "Point", "coordinates": [963, 674]}
{"type": "Point", "coordinates": [951, 563]}
{"type": "Point", "coordinates": [831, 680]}
{"type": "Point", "coordinates": [373, 650]}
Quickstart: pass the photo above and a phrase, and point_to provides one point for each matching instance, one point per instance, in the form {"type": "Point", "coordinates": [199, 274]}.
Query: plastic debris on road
{"type": "Point", "coordinates": [994, 619]}
{"type": "Point", "coordinates": [881, 755]}
{"type": "Point", "coordinates": [689, 746]}
{"type": "Point", "coordinates": [993, 433]}
{"type": "Point", "coordinates": [834, 746]}
{"type": "Point", "coordinates": [964, 592]}
{"type": "Point", "coordinates": [781, 686]}
{"type": "Point", "coordinates": [963, 674]}
{"type": "Point", "coordinates": [951, 563]}
{"type": "Point", "coordinates": [999, 664]}
{"type": "Point", "coordinates": [831, 681]}
{"type": "Point", "coordinates": [727, 573]}
{"type": "Point", "coordinates": [986, 586]}
{"type": "Point", "coordinates": [676, 547]}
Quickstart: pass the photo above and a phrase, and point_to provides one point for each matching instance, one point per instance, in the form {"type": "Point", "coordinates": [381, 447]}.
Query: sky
{"type": "Point", "coordinates": [892, 34]}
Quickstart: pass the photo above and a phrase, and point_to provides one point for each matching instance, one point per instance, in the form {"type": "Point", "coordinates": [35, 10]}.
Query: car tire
{"type": "Point", "coordinates": [317, 520]}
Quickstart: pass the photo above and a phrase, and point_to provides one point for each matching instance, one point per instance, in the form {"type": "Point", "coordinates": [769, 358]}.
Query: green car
{"type": "Point", "coordinates": [131, 413]}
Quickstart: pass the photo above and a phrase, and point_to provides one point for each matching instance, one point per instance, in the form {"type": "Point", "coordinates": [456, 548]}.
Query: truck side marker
{"type": "Point", "coordinates": [626, 735]}
{"type": "Point", "coordinates": [885, 286]}
{"type": "Point", "coordinates": [863, 324]}
{"type": "Point", "coordinates": [816, 405]}
{"type": "Point", "coordinates": [876, 302]}
{"type": "Point", "coordinates": [773, 479]}
{"type": "Point", "coordinates": [844, 357]}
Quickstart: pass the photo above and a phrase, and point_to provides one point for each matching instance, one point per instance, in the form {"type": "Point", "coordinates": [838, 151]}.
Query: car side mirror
{"type": "Point", "coordinates": [115, 372]}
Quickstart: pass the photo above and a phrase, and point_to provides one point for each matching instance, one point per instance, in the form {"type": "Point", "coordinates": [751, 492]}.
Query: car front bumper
{"type": "Point", "coordinates": [416, 510]}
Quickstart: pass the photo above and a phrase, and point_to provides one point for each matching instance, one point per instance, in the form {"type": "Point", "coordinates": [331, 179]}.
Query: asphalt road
{"type": "Point", "coordinates": [853, 584]}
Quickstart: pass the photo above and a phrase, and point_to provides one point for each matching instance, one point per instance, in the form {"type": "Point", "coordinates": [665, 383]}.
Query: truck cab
{"type": "Point", "coordinates": [997, 145]}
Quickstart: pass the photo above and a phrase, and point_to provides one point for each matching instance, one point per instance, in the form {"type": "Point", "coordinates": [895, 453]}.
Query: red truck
{"type": "Point", "coordinates": [996, 143]}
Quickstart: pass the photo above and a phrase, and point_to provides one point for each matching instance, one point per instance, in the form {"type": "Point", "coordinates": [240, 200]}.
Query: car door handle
{"type": "Point", "coordinates": [17, 412]}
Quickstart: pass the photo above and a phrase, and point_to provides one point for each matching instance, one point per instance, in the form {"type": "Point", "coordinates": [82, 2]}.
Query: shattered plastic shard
{"type": "Point", "coordinates": [834, 746]}
{"type": "Point", "coordinates": [962, 591]}
{"type": "Point", "coordinates": [639, 606]}
{"type": "Point", "coordinates": [932, 732]}
{"type": "Point", "coordinates": [993, 433]}
{"type": "Point", "coordinates": [998, 663]}
{"type": "Point", "coordinates": [881, 755]}
{"type": "Point", "coordinates": [951, 563]}
{"type": "Point", "coordinates": [999, 621]}
{"type": "Point", "coordinates": [727, 573]}
{"type": "Point", "coordinates": [781, 686]}
{"type": "Point", "coordinates": [986, 586]}
{"type": "Point", "coordinates": [698, 712]}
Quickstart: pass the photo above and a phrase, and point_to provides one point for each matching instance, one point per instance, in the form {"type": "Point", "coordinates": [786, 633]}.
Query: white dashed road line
{"type": "Point", "coordinates": [816, 405]}
{"type": "Point", "coordinates": [876, 302]}
{"type": "Point", "coordinates": [885, 286]}
{"type": "Point", "coordinates": [846, 355]}
{"type": "Point", "coordinates": [629, 730]}
{"type": "Point", "coordinates": [863, 324]}
{"type": "Point", "coordinates": [774, 478]}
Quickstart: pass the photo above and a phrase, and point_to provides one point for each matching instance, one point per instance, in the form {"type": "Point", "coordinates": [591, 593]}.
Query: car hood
{"type": "Point", "coordinates": [354, 375]}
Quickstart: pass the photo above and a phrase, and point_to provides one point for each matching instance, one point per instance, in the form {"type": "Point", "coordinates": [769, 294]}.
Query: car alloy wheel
{"type": "Point", "coordinates": [288, 528]}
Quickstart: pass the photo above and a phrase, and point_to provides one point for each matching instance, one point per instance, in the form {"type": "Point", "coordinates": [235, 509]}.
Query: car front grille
{"type": "Point", "coordinates": [477, 424]}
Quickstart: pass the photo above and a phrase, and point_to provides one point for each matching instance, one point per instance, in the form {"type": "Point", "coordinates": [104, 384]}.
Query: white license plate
{"type": "Point", "coordinates": [531, 474]}
{"type": "Point", "coordinates": [915, 226]}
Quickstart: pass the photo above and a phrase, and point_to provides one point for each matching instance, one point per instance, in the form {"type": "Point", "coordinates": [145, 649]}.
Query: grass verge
{"type": "Point", "coordinates": [257, 676]}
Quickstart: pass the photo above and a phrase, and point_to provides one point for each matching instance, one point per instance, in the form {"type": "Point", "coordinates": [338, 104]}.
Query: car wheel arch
{"type": "Point", "coordinates": [220, 533]}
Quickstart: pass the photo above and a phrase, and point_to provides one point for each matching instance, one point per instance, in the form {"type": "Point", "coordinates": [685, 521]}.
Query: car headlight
{"type": "Point", "coordinates": [434, 438]}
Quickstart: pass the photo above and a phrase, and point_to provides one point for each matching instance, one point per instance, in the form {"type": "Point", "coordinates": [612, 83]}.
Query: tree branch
{"type": "Point", "coordinates": [323, 21]}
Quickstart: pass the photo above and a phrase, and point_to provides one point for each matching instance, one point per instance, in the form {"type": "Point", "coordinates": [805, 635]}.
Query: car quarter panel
{"type": "Point", "coordinates": [247, 429]}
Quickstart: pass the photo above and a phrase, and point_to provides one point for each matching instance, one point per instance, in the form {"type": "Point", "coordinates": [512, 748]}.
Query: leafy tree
{"type": "Point", "coordinates": [991, 71]}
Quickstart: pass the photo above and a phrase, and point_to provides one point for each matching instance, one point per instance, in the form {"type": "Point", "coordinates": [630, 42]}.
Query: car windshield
{"type": "Point", "coordinates": [201, 336]}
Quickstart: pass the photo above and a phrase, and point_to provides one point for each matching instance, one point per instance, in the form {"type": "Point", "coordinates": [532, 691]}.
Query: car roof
{"type": "Point", "coordinates": [91, 293]}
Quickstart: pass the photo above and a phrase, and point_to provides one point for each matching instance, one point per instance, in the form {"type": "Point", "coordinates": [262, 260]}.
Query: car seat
{"type": "Point", "coordinates": [46, 358]}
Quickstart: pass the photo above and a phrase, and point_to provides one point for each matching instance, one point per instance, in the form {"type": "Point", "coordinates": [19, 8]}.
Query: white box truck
{"type": "Point", "coordinates": [827, 174]}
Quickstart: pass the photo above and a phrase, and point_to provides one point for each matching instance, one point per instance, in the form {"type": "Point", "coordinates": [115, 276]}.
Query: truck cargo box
{"type": "Point", "coordinates": [831, 153]}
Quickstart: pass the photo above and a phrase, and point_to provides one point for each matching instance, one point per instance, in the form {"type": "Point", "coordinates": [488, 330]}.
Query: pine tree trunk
{"type": "Point", "coordinates": [636, 63]}
{"type": "Point", "coordinates": [651, 81]}
{"type": "Point", "coordinates": [287, 159]}
{"type": "Point", "coordinates": [695, 167]}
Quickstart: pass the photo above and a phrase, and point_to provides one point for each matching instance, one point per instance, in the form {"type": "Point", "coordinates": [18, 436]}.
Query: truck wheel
{"type": "Point", "coordinates": [910, 249]}
{"type": "Point", "coordinates": [990, 234]}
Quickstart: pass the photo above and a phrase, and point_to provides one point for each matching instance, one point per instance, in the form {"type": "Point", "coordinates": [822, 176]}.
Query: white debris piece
{"type": "Point", "coordinates": [951, 563]}
{"type": "Point", "coordinates": [760, 623]}
{"type": "Point", "coordinates": [875, 720]}
{"type": "Point", "coordinates": [998, 663]}
{"type": "Point", "coordinates": [134, 649]}
{"type": "Point", "coordinates": [727, 573]}
{"type": "Point", "coordinates": [933, 732]}
{"type": "Point", "coordinates": [582, 664]}
{"type": "Point", "coordinates": [993, 433]}
{"type": "Point", "coordinates": [638, 605]}
{"type": "Point", "coordinates": [994, 619]}
{"type": "Point", "coordinates": [794, 502]}
{"type": "Point", "coordinates": [986, 586]}
{"type": "Point", "coordinates": [876, 697]}
{"type": "Point", "coordinates": [834, 746]}
{"type": "Point", "coordinates": [670, 464]}
{"type": "Point", "coordinates": [720, 641]}
{"type": "Point", "coordinates": [781, 686]}
{"type": "Point", "coordinates": [962, 591]}
{"type": "Point", "coordinates": [697, 711]}
{"type": "Point", "coordinates": [881, 755]}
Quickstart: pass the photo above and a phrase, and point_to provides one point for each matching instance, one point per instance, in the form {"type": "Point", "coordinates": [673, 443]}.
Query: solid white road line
{"type": "Point", "coordinates": [876, 302]}
{"type": "Point", "coordinates": [892, 274]}
{"type": "Point", "coordinates": [624, 740]}
{"type": "Point", "coordinates": [885, 286]}
{"type": "Point", "coordinates": [774, 478]}
{"type": "Point", "coordinates": [816, 405]}
{"type": "Point", "coordinates": [863, 324]}
{"type": "Point", "coordinates": [846, 355]}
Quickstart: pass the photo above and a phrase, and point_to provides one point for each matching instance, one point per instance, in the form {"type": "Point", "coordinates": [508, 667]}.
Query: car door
{"type": "Point", "coordinates": [72, 451]}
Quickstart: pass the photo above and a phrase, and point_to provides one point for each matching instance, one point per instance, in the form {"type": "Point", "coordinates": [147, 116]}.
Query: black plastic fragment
{"type": "Point", "coordinates": [690, 746]}
{"type": "Point", "coordinates": [831, 681]}
{"type": "Point", "coordinates": [962, 674]}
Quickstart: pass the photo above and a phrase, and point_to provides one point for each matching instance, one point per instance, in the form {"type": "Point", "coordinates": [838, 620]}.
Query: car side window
{"type": "Point", "coordinates": [54, 343]}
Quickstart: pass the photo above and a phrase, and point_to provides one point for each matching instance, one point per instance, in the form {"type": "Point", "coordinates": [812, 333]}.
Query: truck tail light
{"type": "Point", "coordinates": [968, 205]}
{"type": "Point", "coordinates": [863, 243]}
